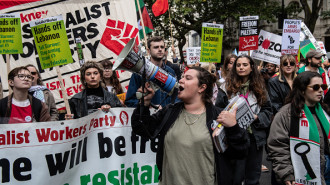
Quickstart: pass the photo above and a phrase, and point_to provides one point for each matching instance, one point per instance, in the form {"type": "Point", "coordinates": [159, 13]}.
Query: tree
{"type": "Point", "coordinates": [311, 14]}
{"type": "Point", "coordinates": [189, 15]}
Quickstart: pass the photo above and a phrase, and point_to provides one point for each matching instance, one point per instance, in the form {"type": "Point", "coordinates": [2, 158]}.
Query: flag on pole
{"type": "Point", "coordinates": [160, 7]}
{"type": "Point", "coordinates": [146, 19]}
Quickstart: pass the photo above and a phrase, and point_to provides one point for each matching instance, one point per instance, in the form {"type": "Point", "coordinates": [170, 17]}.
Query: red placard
{"type": "Point", "coordinates": [248, 43]}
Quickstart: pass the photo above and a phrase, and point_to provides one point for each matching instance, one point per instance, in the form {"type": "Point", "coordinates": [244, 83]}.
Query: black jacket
{"type": "Point", "coordinates": [78, 103]}
{"type": "Point", "coordinates": [260, 125]}
{"type": "Point", "coordinates": [278, 91]}
{"type": "Point", "coordinates": [158, 124]}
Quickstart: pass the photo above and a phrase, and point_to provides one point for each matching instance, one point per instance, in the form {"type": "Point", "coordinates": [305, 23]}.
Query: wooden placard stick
{"type": "Point", "coordinates": [8, 70]}
{"type": "Point", "coordinates": [65, 97]}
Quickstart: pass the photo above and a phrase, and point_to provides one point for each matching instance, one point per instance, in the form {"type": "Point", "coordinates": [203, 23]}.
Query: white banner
{"type": "Point", "coordinates": [97, 149]}
{"type": "Point", "coordinates": [269, 49]}
{"type": "Point", "coordinates": [291, 36]}
{"type": "Point", "coordinates": [103, 26]}
{"type": "Point", "coordinates": [193, 55]}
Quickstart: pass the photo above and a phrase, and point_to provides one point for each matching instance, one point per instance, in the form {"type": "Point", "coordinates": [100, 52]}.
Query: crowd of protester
{"type": "Point", "coordinates": [281, 98]}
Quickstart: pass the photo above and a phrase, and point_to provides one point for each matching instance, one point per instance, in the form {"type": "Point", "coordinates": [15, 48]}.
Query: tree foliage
{"type": "Point", "coordinates": [311, 13]}
{"type": "Point", "coordinates": [189, 15]}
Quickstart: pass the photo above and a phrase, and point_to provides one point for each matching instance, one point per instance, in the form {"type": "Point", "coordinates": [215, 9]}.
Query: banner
{"type": "Point", "coordinates": [308, 42]}
{"type": "Point", "coordinates": [193, 55]}
{"type": "Point", "coordinates": [10, 34]}
{"type": "Point", "coordinates": [97, 149]}
{"type": "Point", "coordinates": [51, 42]}
{"type": "Point", "coordinates": [211, 46]}
{"type": "Point", "coordinates": [103, 26]}
{"type": "Point", "coordinates": [269, 49]}
{"type": "Point", "coordinates": [291, 36]}
{"type": "Point", "coordinates": [248, 32]}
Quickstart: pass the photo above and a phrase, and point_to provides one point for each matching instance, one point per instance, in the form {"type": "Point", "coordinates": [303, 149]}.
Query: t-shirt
{"type": "Point", "coordinates": [188, 152]}
{"type": "Point", "coordinates": [95, 99]}
{"type": "Point", "coordinates": [21, 111]}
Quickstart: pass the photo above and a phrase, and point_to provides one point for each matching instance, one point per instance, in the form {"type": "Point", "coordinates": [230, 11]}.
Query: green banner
{"type": "Point", "coordinates": [51, 42]}
{"type": "Point", "coordinates": [10, 34]}
{"type": "Point", "coordinates": [211, 45]}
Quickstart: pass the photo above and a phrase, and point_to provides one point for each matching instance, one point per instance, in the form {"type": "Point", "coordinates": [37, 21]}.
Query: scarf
{"type": "Point", "coordinates": [321, 72]}
{"type": "Point", "coordinates": [36, 91]}
{"type": "Point", "coordinates": [305, 145]}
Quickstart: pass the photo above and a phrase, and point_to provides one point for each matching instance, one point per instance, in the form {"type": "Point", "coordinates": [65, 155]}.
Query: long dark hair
{"type": "Point", "coordinates": [205, 77]}
{"type": "Point", "coordinates": [296, 96]}
{"type": "Point", "coordinates": [114, 81]}
{"type": "Point", "coordinates": [224, 71]}
{"type": "Point", "coordinates": [257, 84]}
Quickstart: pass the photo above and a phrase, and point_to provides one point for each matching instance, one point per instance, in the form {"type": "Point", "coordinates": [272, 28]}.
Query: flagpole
{"type": "Point", "coordinates": [141, 18]}
{"type": "Point", "coordinates": [169, 16]}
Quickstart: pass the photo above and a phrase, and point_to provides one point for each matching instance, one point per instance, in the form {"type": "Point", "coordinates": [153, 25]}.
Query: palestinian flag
{"type": "Point", "coordinates": [146, 19]}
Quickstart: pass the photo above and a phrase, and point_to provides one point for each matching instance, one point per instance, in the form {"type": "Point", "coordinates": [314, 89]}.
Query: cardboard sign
{"type": "Point", "coordinates": [248, 33]}
{"type": "Point", "coordinates": [211, 46]}
{"type": "Point", "coordinates": [193, 55]}
{"type": "Point", "coordinates": [308, 42]}
{"type": "Point", "coordinates": [269, 49]}
{"type": "Point", "coordinates": [290, 36]}
{"type": "Point", "coordinates": [100, 148]}
{"type": "Point", "coordinates": [51, 42]}
{"type": "Point", "coordinates": [10, 34]}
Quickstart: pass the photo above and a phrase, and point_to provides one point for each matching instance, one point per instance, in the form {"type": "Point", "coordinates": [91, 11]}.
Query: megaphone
{"type": "Point", "coordinates": [129, 60]}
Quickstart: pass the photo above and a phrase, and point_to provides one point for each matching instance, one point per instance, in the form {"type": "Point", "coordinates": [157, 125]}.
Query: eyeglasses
{"type": "Point", "coordinates": [33, 73]}
{"type": "Point", "coordinates": [23, 77]}
{"type": "Point", "coordinates": [316, 87]}
{"type": "Point", "coordinates": [287, 63]}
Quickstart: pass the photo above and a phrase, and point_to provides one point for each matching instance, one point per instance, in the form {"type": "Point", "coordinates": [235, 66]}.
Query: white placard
{"type": "Point", "coordinates": [269, 49]}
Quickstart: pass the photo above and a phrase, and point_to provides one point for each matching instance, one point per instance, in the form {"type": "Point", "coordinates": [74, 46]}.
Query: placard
{"type": "Point", "coordinates": [291, 36]}
{"type": "Point", "coordinates": [51, 42]}
{"type": "Point", "coordinates": [211, 46]}
{"type": "Point", "coordinates": [248, 32]}
{"type": "Point", "coordinates": [193, 55]}
{"type": "Point", "coordinates": [269, 49]}
{"type": "Point", "coordinates": [10, 34]}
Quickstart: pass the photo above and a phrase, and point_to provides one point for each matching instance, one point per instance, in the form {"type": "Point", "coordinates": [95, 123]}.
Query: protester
{"type": "Point", "coordinates": [93, 96]}
{"type": "Point", "coordinates": [156, 49]}
{"type": "Point", "coordinates": [313, 63]}
{"type": "Point", "coordinates": [280, 86]}
{"type": "Point", "coordinates": [302, 63]}
{"type": "Point", "coordinates": [174, 66]}
{"type": "Point", "coordinates": [38, 90]}
{"type": "Point", "coordinates": [186, 152]}
{"type": "Point", "coordinates": [271, 69]}
{"type": "Point", "coordinates": [299, 134]}
{"type": "Point", "coordinates": [246, 81]}
{"type": "Point", "coordinates": [212, 69]}
{"type": "Point", "coordinates": [111, 80]}
{"type": "Point", "coordinates": [20, 107]}
{"type": "Point", "coordinates": [227, 66]}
